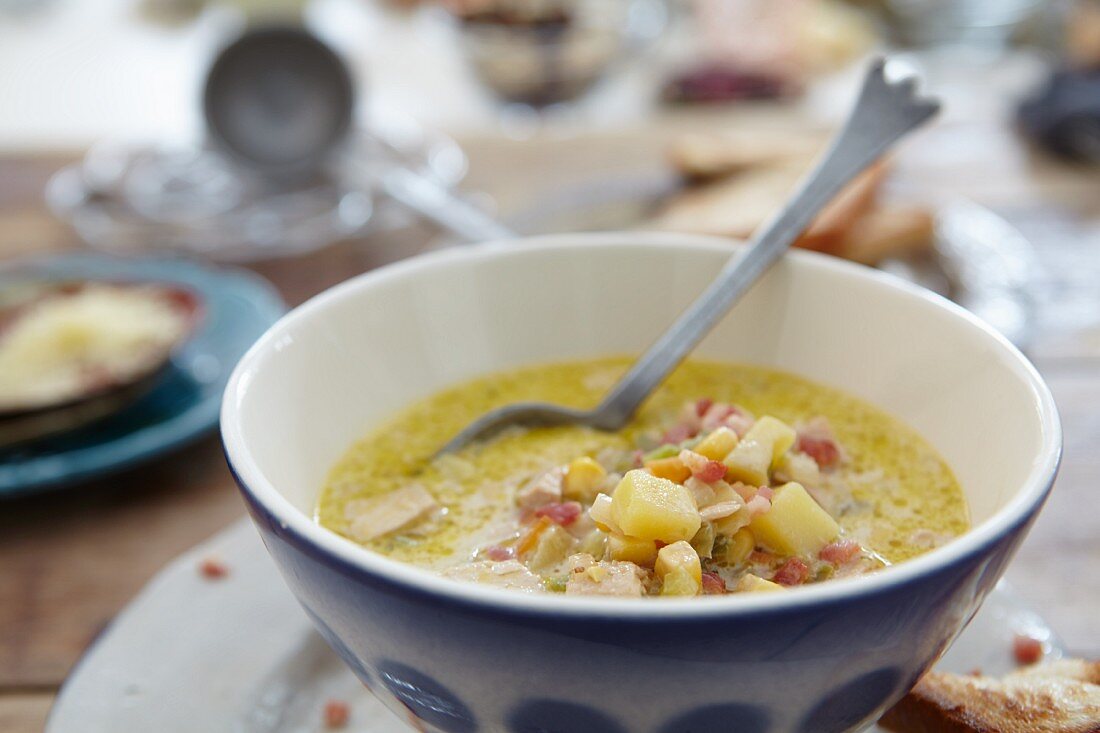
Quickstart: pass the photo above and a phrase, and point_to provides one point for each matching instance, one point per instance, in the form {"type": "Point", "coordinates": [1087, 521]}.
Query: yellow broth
{"type": "Point", "coordinates": [901, 487]}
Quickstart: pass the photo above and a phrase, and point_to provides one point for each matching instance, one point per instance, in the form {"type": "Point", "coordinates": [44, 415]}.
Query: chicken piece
{"type": "Point", "coordinates": [1038, 700]}
{"type": "Point", "coordinates": [510, 574]}
{"type": "Point", "coordinates": [380, 515]}
{"type": "Point", "coordinates": [542, 489]}
{"type": "Point", "coordinates": [607, 578]}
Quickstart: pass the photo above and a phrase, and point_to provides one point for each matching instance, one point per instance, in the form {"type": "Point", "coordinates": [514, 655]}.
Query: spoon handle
{"type": "Point", "coordinates": [436, 203]}
{"type": "Point", "coordinates": [883, 113]}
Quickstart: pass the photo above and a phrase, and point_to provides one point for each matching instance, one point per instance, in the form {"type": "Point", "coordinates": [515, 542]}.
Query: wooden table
{"type": "Point", "coordinates": [69, 561]}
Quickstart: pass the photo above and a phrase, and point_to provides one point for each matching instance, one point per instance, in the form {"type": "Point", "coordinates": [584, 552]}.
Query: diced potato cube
{"type": "Point", "coordinates": [630, 549]}
{"type": "Point", "coordinates": [749, 462]}
{"type": "Point", "coordinates": [679, 568]}
{"type": "Point", "coordinates": [582, 480]}
{"type": "Point", "coordinates": [795, 524]}
{"type": "Point", "coordinates": [750, 583]}
{"type": "Point", "coordinates": [678, 555]}
{"type": "Point", "coordinates": [775, 432]}
{"type": "Point", "coordinates": [718, 444]}
{"type": "Point", "coordinates": [680, 582]}
{"type": "Point", "coordinates": [767, 440]}
{"type": "Point", "coordinates": [739, 547]}
{"type": "Point", "coordinates": [380, 515]}
{"type": "Point", "coordinates": [651, 508]}
{"type": "Point", "coordinates": [671, 468]}
{"type": "Point", "coordinates": [553, 545]}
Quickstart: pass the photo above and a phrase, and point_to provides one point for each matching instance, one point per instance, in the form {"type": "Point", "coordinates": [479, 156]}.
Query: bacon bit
{"type": "Point", "coordinates": [711, 472]}
{"type": "Point", "coordinates": [702, 406]}
{"type": "Point", "coordinates": [499, 553]}
{"type": "Point", "coordinates": [563, 514]}
{"type": "Point", "coordinates": [336, 714]}
{"type": "Point", "coordinates": [839, 552]}
{"type": "Point", "coordinates": [213, 569]}
{"type": "Point", "coordinates": [1026, 649]}
{"type": "Point", "coordinates": [824, 451]}
{"type": "Point", "coordinates": [792, 572]}
{"type": "Point", "coordinates": [713, 584]}
{"type": "Point", "coordinates": [678, 434]}
{"type": "Point", "coordinates": [767, 492]}
{"type": "Point", "coordinates": [760, 557]}
{"type": "Point", "coordinates": [639, 459]}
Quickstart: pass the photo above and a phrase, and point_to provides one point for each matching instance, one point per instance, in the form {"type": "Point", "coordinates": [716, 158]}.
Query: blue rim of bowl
{"type": "Point", "coordinates": [61, 470]}
{"type": "Point", "coordinates": [270, 507]}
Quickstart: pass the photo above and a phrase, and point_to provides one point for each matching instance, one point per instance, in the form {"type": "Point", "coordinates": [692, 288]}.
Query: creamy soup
{"type": "Point", "coordinates": [732, 478]}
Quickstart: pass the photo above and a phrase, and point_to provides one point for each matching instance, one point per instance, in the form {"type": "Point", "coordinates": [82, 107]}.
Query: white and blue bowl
{"type": "Point", "coordinates": [461, 658]}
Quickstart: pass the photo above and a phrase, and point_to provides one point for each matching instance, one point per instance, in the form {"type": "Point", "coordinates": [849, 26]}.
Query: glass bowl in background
{"type": "Point", "coordinates": [539, 54]}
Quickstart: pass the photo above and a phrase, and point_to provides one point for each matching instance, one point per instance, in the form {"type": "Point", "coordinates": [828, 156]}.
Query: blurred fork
{"type": "Point", "coordinates": [884, 112]}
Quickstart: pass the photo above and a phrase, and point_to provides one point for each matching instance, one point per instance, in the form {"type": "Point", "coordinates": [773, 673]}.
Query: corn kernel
{"type": "Point", "coordinates": [582, 480]}
{"type": "Point", "coordinates": [739, 547]}
{"type": "Point", "coordinates": [718, 444]}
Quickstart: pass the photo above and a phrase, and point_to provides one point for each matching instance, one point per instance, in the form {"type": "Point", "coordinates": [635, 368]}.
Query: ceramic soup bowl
{"type": "Point", "coordinates": [461, 658]}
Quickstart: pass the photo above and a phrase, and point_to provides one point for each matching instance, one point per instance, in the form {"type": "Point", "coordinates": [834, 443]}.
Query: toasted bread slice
{"type": "Point", "coordinates": [1067, 669]}
{"type": "Point", "coordinates": [701, 156]}
{"type": "Point", "coordinates": [888, 231]}
{"type": "Point", "coordinates": [1050, 698]}
{"type": "Point", "coordinates": [736, 206]}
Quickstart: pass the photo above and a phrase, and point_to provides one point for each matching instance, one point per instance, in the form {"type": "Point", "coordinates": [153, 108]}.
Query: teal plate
{"type": "Point", "coordinates": [238, 307]}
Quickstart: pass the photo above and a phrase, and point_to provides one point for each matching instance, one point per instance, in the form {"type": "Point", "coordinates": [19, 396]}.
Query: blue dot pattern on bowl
{"type": "Point", "coordinates": [720, 718]}
{"type": "Point", "coordinates": [555, 716]}
{"type": "Point", "coordinates": [852, 703]}
{"type": "Point", "coordinates": [428, 700]}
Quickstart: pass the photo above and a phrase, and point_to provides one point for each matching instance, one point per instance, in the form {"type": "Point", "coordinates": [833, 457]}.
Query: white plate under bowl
{"type": "Point", "coordinates": [238, 655]}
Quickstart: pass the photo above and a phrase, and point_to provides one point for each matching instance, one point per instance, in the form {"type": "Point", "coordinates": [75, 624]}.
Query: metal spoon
{"type": "Point", "coordinates": [883, 113]}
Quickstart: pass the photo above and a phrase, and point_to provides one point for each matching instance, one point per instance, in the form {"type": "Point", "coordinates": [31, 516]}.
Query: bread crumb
{"type": "Point", "coordinates": [212, 568]}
